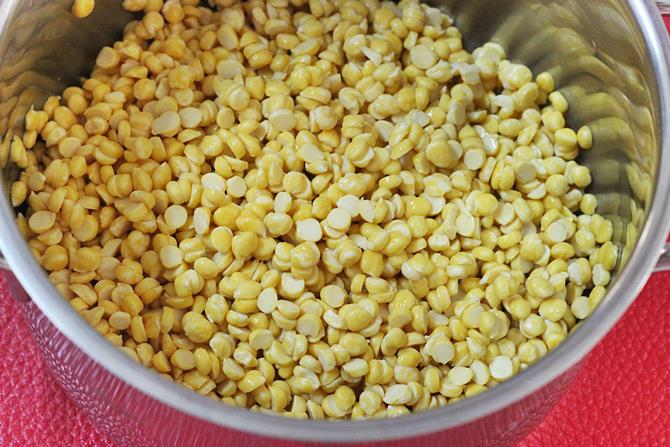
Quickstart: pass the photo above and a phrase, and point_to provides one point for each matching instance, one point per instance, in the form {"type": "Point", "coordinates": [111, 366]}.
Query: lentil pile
{"type": "Point", "coordinates": [317, 208]}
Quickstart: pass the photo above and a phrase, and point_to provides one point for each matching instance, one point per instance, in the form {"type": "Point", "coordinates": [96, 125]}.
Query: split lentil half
{"type": "Point", "coordinates": [82, 8]}
{"type": "Point", "coordinates": [316, 208]}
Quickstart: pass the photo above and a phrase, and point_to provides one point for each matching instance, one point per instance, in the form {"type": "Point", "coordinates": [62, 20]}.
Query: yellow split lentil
{"type": "Point", "coordinates": [315, 208]}
{"type": "Point", "coordinates": [82, 8]}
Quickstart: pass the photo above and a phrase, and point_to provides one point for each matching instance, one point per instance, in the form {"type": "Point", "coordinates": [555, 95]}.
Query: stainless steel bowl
{"type": "Point", "coordinates": [610, 59]}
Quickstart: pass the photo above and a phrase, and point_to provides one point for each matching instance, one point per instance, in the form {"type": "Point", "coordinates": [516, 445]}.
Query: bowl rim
{"type": "Point", "coordinates": [620, 295]}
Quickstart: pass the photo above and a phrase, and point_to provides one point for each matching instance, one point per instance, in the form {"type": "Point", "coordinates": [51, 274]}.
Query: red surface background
{"type": "Point", "coordinates": [620, 397]}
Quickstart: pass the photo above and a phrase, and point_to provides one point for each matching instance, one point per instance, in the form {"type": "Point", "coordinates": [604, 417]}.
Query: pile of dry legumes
{"type": "Point", "coordinates": [315, 208]}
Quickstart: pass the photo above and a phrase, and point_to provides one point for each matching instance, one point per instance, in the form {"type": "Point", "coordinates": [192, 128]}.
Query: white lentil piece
{"type": "Point", "coordinates": [267, 300]}
{"type": "Point", "coordinates": [309, 230]}
{"type": "Point", "coordinates": [423, 57]}
{"type": "Point", "coordinates": [501, 368]}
